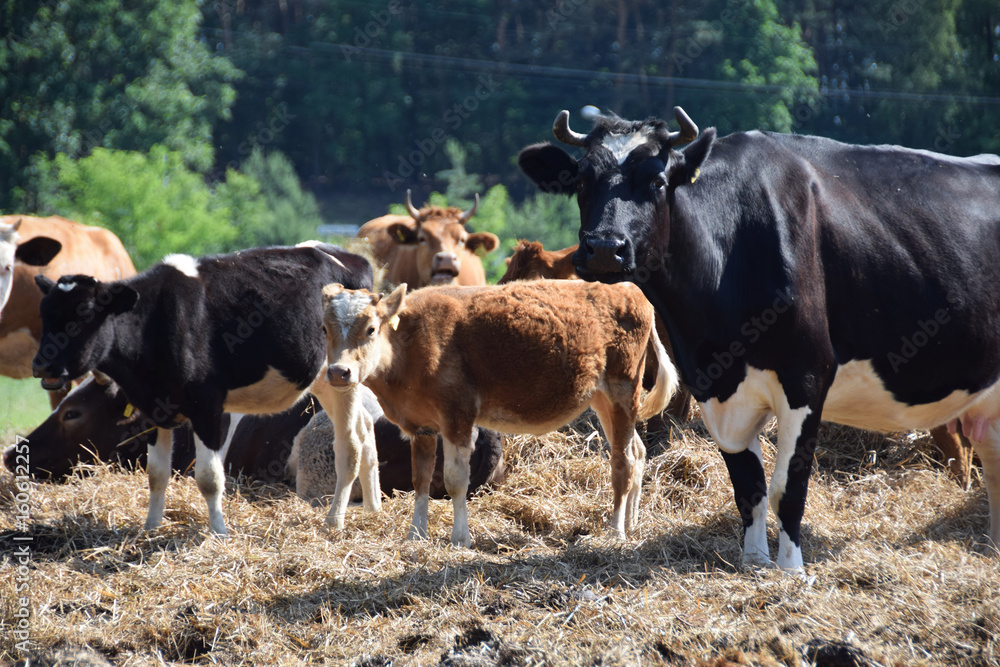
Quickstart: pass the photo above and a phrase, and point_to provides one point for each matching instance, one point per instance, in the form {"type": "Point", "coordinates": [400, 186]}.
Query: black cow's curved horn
{"type": "Point", "coordinates": [561, 130]}
{"type": "Point", "coordinates": [688, 131]}
{"type": "Point", "coordinates": [464, 218]}
{"type": "Point", "coordinates": [414, 211]}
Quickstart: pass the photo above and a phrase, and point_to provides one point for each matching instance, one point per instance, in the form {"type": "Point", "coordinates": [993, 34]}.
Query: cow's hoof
{"type": "Point", "coordinates": [757, 561]}
{"type": "Point", "coordinates": [461, 541]}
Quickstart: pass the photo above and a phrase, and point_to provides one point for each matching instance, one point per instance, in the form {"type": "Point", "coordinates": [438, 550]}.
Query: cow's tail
{"type": "Point", "coordinates": [666, 379]}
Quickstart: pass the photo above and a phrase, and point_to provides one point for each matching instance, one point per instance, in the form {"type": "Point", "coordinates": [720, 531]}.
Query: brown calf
{"type": "Point", "coordinates": [530, 261]}
{"type": "Point", "coordinates": [527, 357]}
{"type": "Point", "coordinates": [431, 246]}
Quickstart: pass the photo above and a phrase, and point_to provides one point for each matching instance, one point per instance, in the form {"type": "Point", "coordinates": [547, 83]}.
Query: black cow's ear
{"type": "Point", "coordinates": [551, 168]}
{"type": "Point", "coordinates": [44, 283]}
{"type": "Point", "coordinates": [38, 251]}
{"type": "Point", "coordinates": [697, 152]}
{"type": "Point", "coordinates": [402, 233]}
{"type": "Point", "coordinates": [123, 299]}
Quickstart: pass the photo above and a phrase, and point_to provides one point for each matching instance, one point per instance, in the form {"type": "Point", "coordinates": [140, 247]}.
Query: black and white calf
{"type": "Point", "coordinates": [803, 278]}
{"type": "Point", "coordinates": [193, 338]}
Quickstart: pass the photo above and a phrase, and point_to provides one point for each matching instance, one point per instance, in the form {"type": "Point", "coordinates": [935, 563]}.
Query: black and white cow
{"type": "Point", "coordinates": [803, 278]}
{"type": "Point", "coordinates": [193, 338]}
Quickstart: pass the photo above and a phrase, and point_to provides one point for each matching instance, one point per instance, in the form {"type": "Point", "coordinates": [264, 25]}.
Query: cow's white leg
{"type": "Point", "coordinates": [735, 425]}
{"type": "Point", "coordinates": [790, 425]}
{"type": "Point", "coordinates": [211, 480]}
{"type": "Point", "coordinates": [456, 483]}
{"type": "Point", "coordinates": [423, 450]}
{"type": "Point", "coordinates": [989, 454]}
{"type": "Point", "coordinates": [158, 471]}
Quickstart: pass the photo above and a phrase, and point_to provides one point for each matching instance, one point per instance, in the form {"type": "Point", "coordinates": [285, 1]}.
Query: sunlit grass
{"type": "Point", "coordinates": [23, 405]}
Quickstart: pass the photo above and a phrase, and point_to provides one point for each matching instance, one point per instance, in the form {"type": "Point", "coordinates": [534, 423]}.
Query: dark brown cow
{"type": "Point", "coordinates": [531, 261]}
{"type": "Point", "coordinates": [527, 357]}
{"type": "Point", "coordinates": [92, 251]}
{"type": "Point", "coordinates": [431, 246]}
{"type": "Point", "coordinates": [96, 422]}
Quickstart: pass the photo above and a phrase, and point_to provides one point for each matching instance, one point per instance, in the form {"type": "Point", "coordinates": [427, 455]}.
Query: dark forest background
{"type": "Point", "coordinates": [215, 125]}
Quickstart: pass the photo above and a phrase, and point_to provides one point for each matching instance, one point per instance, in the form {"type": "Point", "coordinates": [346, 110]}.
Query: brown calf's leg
{"type": "Point", "coordinates": [423, 449]}
{"type": "Point", "coordinates": [457, 453]}
{"type": "Point", "coordinates": [619, 429]}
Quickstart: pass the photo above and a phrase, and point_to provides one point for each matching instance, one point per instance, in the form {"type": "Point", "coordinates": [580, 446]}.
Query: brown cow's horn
{"type": "Point", "coordinates": [101, 379]}
{"type": "Point", "coordinates": [688, 132]}
{"type": "Point", "coordinates": [560, 128]}
{"type": "Point", "coordinates": [414, 211]}
{"type": "Point", "coordinates": [464, 218]}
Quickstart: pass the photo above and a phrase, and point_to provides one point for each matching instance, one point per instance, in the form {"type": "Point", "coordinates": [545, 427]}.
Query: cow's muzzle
{"type": "Point", "coordinates": [340, 376]}
{"type": "Point", "coordinates": [604, 254]}
{"type": "Point", "coordinates": [51, 381]}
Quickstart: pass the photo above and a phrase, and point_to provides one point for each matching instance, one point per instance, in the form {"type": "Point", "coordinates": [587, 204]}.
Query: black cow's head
{"type": "Point", "coordinates": [76, 331]}
{"type": "Point", "coordinates": [625, 185]}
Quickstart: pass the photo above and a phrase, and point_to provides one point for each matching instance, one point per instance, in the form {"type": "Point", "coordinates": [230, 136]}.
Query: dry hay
{"type": "Point", "coordinates": [895, 572]}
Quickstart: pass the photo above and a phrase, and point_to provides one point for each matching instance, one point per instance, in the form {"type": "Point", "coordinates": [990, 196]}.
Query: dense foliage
{"type": "Point", "coordinates": [362, 99]}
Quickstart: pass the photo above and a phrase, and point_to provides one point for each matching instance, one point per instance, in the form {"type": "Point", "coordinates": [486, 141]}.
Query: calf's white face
{"type": "Point", "coordinates": [355, 323]}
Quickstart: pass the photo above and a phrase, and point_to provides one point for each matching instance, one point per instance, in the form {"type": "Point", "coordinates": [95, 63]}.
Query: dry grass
{"type": "Point", "coordinates": [896, 571]}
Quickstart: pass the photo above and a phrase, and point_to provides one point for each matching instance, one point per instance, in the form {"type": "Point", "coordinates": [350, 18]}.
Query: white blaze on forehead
{"type": "Point", "coordinates": [186, 264]}
{"type": "Point", "coordinates": [66, 287]}
{"type": "Point", "coordinates": [622, 145]}
{"type": "Point", "coordinates": [347, 308]}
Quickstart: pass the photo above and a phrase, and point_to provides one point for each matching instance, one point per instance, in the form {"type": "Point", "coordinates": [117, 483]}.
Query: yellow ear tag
{"type": "Point", "coordinates": [394, 322]}
{"type": "Point", "coordinates": [697, 173]}
{"type": "Point", "coordinates": [400, 235]}
{"type": "Point", "coordinates": [129, 409]}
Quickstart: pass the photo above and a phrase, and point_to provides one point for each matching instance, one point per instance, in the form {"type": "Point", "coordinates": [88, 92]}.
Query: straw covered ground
{"type": "Point", "coordinates": [897, 571]}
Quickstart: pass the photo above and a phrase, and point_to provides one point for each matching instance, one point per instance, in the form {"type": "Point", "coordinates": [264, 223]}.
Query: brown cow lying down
{"type": "Point", "coordinates": [531, 261]}
{"type": "Point", "coordinates": [521, 358]}
{"type": "Point", "coordinates": [95, 423]}
{"type": "Point", "coordinates": [311, 463]}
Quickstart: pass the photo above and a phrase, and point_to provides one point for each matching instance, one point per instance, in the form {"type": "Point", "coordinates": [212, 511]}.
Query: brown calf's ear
{"type": "Point", "coordinates": [38, 251]}
{"type": "Point", "coordinates": [392, 304]}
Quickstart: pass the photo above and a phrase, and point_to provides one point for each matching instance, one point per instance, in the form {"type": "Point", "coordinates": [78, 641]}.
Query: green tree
{"type": "Point", "coordinates": [81, 74]}
{"type": "Point", "coordinates": [267, 202]}
{"type": "Point", "coordinates": [153, 202]}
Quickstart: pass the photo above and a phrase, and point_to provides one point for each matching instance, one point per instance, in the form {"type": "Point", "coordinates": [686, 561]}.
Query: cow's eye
{"type": "Point", "coordinates": [371, 331]}
{"type": "Point", "coordinates": [70, 415]}
{"type": "Point", "coordinates": [323, 327]}
{"type": "Point", "coordinates": [421, 239]}
{"type": "Point", "coordinates": [658, 184]}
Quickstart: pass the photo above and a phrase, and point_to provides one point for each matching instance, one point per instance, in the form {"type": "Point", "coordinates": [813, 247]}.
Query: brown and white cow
{"type": "Point", "coordinates": [527, 357]}
{"type": "Point", "coordinates": [87, 250]}
{"type": "Point", "coordinates": [431, 246]}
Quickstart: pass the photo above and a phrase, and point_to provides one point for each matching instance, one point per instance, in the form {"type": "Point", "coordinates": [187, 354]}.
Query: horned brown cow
{"type": "Point", "coordinates": [431, 246]}
{"type": "Point", "coordinates": [527, 357]}
{"type": "Point", "coordinates": [87, 250]}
